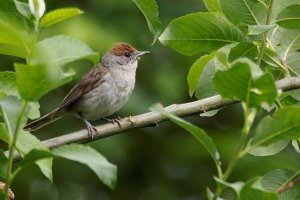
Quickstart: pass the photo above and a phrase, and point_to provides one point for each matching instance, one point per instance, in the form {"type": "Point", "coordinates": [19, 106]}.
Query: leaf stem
{"type": "Point", "coordinates": [249, 115]}
{"type": "Point", "coordinates": [265, 35]}
{"type": "Point", "coordinates": [12, 147]}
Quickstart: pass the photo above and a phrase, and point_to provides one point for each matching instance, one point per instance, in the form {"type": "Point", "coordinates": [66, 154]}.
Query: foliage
{"type": "Point", "coordinates": [20, 25]}
{"type": "Point", "coordinates": [245, 46]}
{"type": "Point", "coordinates": [250, 45]}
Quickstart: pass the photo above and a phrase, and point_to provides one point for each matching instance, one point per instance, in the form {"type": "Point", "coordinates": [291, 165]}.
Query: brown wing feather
{"type": "Point", "coordinates": [89, 81]}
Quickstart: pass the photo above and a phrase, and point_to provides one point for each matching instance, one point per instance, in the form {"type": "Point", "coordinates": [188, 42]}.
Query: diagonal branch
{"type": "Point", "coordinates": [152, 119]}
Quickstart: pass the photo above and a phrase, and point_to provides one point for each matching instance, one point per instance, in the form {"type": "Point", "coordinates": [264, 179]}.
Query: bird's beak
{"type": "Point", "coordinates": [140, 53]}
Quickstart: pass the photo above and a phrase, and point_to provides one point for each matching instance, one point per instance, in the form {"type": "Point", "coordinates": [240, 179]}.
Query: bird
{"type": "Point", "coordinates": [101, 92]}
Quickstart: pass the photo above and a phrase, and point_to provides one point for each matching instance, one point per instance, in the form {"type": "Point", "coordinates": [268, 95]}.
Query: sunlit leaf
{"type": "Point", "coordinates": [241, 83]}
{"type": "Point", "coordinates": [23, 8]}
{"type": "Point", "coordinates": [289, 17]}
{"type": "Point", "coordinates": [36, 80]}
{"type": "Point", "coordinates": [212, 5]}
{"type": "Point", "coordinates": [62, 50]}
{"type": "Point", "coordinates": [150, 10]}
{"type": "Point", "coordinates": [59, 15]}
{"type": "Point", "coordinates": [200, 32]}
{"type": "Point", "coordinates": [250, 12]}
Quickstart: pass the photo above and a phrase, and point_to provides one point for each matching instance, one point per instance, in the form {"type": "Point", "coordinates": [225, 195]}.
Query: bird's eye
{"type": "Point", "coordinates": [128, 54]}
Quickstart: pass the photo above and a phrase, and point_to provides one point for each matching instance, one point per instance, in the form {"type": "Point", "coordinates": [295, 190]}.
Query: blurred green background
{"type": "Point", "coordinates": [158, 163]}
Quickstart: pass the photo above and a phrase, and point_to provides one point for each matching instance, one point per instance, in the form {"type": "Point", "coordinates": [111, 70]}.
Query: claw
{"type": "Point", "coordinates": [91, 129]}
{"type": "Point", "coordinates": [113, 121]}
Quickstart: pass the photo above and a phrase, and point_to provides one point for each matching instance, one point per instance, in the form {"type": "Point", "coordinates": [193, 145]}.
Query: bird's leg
{"type": "Point", "coordinates": [113, 121]}
{"type": "Point", "coordinates": [89, 127]}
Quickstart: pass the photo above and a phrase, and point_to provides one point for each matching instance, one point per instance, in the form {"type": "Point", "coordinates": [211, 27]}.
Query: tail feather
{"type": "Point", "coordinates": [42, 121]}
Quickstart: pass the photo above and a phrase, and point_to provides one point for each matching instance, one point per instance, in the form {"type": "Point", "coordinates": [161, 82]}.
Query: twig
{"type": "Point", "coordinates": [151, 119]}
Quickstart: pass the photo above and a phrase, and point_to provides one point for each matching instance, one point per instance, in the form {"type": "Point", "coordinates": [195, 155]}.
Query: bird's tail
{"type": "Point", "coordinates": [43, 121]}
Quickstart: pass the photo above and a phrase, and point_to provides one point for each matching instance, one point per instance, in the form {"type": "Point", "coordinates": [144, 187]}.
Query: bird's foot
{"type": "Point", "coordinates": [91, 129]}
{"type": "Point", "coordinates": [113, 121]}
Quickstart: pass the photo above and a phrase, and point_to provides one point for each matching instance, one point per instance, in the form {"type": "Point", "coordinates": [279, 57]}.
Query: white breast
{"type": "Point", "coordinates": [109, 97]}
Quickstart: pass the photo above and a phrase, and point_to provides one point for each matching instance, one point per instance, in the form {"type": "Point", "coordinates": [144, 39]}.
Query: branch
{"type": "Point", "coordinates": [151, 119]}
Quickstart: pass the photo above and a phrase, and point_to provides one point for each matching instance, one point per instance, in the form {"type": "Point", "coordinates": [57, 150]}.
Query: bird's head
{"type": "Point", "coordinates": [122, 55]}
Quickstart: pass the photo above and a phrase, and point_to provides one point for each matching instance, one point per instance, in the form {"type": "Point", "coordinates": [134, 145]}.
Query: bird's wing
{"type": "Point", "coordinates": [89, 81]}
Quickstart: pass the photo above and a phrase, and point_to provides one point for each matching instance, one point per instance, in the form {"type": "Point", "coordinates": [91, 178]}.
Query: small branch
{"type": "Point", "coordinates": [151, 119]}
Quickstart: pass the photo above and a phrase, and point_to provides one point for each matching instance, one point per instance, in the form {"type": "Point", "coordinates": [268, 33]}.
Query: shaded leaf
{"type": "Point", "coordinates": [4, 134]}
{"type": "Point", "coordinates": [150, 10]}
{"type": "Point", "coordinates": [104, 170]}
{"type": "Point", "coordinates": [200, 32]}
{"type": "Point", "coordinates": [8, 83]}
{"type": "Point", "coordinates": [3, 166]}
{"type": "Point", "coordinates": [270, 149]}
{"type": "Point", "coordinates": [289, 17]}
{"type": "Point", "coordinates": [236, 187]}
{"type": "Point", "coordinates": [243, 49]}
{"type": "Point", "coordinates": [250, 193]}
{"type": "Point", "coordinates": [285, 125]}
{"type": "Point", "coordinates": [259, 29]}
{"type": "Point", "coordinates": [59, 15]}
{"type": "Point", "coordinates": [205, 87]}
{"type": "Point", "coordinates": [286, 44]}
{"type": "Point", "coordinates": [198, 133]}
{"type": "Point", "coordinates": [26, 142]}
{"type": "Point", "coordinates": [196, 71]}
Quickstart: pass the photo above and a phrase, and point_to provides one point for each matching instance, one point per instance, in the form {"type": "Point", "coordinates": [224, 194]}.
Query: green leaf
{"type": "Point", "coordinates": [279, 6]}
{"type": "Point", "coordinates": [270, 149]}
{"type": "Point", "coordinates": [8, 83]}
{"type": "Point", "coordinates": [150, 10]}
{"type": "Point", "coordinates": [63, 50]}
{"type": "Point", "coordinates": [259, 29]}
{"type": "Point", "coordinates": [213, 5]}
{"type": "Point", "coordinates": [198, 133]}
{"type": "Point", "coordinates": [286, 43]}
{"type": "Point", "coordinates": [10, 107]}
{"type": "Point", "coordinates": [289, 17]}
{"type": "Point", "coordinates": [210, 113]}
{"type": "Point", "coordinates": [104, 170]}
{"type": "Point", "coordinates": [36, 80]}
{"type": "Point", "coordinates": [3, 166]}
{"type": "Point", "coordinates": [12, 50]}
{"type": "Point", "coordinates": [4, 134]}
{"type": "Point", "coordinates": [236, 187]}
{"type": "Point", "coordinates": [250, 12]}
{"type": "Point", "coordinates": [196, 71]}
{"type": "Point", "coordinates": [205, 87]}
{"type": "Point", "coordinates": [200, 32]}
{"type": "Point", "coordinates": [12, 36]}
{"type": "Point", "coordinates": [23, 8]}
{"type": "Point", "coordinates": [26, 142]}
{"type": "Point", "coordinates": [281, 181]}
{"type": "Point", "coordinates": [59, 15]}
{"type": "Point", "coordinates": [271, 57]}
{"type": "Point", "coordinates": [285, 125]}
{"type": "Point", "coordinates": [249, 192]}
{"type": "Point", "coordinates": [34, 156]}
{"type": "Point", "coordinates": [243, 49]}
{"type": "Point", "coordinates": [240, 82]}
